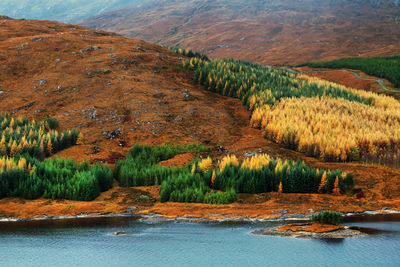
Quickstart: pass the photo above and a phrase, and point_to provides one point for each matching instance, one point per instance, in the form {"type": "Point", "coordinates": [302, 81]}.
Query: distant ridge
{"type": "Point", "coordinates": [266, 32]}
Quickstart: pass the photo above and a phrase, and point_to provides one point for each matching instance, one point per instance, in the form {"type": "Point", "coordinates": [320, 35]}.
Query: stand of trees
{"type": "Point", "coordinates": [328, 217]}
{"type": "Point", "coordinates": [319, 118]}
{"type": "Point", "coordinates": [261, 174]}
{"type": "Point", "coordinates": [205, 181]}
{"type": "Point", "coordinates": [23, 175]}
{"type": "Point", "coordinates": [140, 168]}
{"type": "Point", "coordinates": [53, 178]}
{"type": "Point", "coordinates": [187, 53]}
{"type": "Point", "coordinates": [383, 67]}
{"type": "Point", "coordinates": [38, 139]}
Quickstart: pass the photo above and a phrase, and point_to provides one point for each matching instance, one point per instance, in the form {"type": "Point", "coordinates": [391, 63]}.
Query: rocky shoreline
{"type": "Point", "coordinates": [154, 218]}
{"type": "Point", "coordinates": [344, 232]}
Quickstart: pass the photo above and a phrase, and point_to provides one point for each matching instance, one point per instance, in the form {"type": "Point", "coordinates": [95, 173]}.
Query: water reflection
{"type": "Point", "coordinates": [331, 241]}
{"type": "Point", "coordinates": [374, 218]}
{"type": "Point", "coordinates": [84, 222]}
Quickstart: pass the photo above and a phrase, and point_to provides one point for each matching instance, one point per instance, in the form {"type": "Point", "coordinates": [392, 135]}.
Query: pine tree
{"type": "Point", "coordinates": [280, 188]}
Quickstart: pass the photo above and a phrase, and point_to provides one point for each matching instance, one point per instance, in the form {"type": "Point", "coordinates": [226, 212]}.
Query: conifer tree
{"type": "Point", "coordinates": [49, 148]}
{"type": "Point", "coordinates": [193, 168]}
{"type": "Point", "coordinates": [14, 149]}
{"type": "Point", "coordinates": [323, 183]}
{"type": "Point", "coordinates": [336, 189]}
{"type": "Point", "coordinates": [213, 178]}
{"type": "Point", "coordinates": [3, 148]}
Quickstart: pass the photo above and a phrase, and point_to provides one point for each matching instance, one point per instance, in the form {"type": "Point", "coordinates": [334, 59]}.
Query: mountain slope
{"type": "Point", "coordinates": [116, 90]}
{"type": "Point", "coordinates": [268, 32]}
{"type": "Point", "coordinates": [60, 10]}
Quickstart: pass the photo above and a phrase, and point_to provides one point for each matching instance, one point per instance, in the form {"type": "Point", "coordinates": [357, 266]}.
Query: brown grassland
{"type": "Point", "coordinates": [266, 32]}
{"type": "Point", "coordinates": [118, 91]}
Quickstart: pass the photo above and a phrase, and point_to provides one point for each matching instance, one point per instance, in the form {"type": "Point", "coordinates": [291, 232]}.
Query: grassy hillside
{"type": "Point", "coordinates": [383, 67]}
{"type": "Point", "coordinates": [118, 92]}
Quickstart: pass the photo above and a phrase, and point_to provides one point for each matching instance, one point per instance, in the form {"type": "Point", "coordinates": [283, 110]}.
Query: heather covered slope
{"type": "Point", "coordinates": [115, 90]}
{"type": "Point", "coordinates": [119, 91]}
{"type": "Point", "coordinates": [266, 32]}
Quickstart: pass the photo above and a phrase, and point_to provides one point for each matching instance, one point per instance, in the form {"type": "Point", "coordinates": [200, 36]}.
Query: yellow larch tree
{"type": "Point", "coordinates": [323, 182]}
{"type": "Point", "coordinates": [336, 189]}
{"type": "Point", "coordinates": [280, 190]}
{"type": "Point", "coordinates": [205, 164]}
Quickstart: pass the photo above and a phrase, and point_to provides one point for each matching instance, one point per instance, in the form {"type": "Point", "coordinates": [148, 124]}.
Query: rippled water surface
{"type": "Point", "coordinates": [92, 243]}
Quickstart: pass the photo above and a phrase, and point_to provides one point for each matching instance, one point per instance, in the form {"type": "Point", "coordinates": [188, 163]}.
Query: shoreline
{"type": "Point", "coordinates": [155, 218]}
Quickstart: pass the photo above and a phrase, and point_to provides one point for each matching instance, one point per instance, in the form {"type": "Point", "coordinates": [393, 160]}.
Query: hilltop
{"type": "Point", "coordinates": [266, 32]}
{"type": "Point", "coordinates": [118, 91]}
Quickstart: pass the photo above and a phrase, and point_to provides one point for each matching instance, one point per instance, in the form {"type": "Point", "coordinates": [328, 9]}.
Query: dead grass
{"type": "Point", "coordinates": [207, 118]}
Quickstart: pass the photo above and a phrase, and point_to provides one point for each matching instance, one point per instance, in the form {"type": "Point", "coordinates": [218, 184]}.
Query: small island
{"type": "Point", "coordinates": [326, 224]}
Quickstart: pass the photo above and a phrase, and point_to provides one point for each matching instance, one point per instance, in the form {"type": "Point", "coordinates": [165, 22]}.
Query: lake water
{"type": "Point", "coordinates": [91, 242]}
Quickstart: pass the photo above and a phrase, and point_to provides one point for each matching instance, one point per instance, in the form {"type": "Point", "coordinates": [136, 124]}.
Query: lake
{"type": "Point", "coordinates": [90, 242]}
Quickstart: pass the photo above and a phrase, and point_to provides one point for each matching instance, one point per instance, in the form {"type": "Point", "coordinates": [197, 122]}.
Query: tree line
{"type": "Point", "coordinates": [218, 182]}
{"type": "Point", "coordinates": [383, 67]}
{"type": "Point", "coordinates": [316, 117]}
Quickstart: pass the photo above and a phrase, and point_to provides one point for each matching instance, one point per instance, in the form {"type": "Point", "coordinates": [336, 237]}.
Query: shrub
{"type": "Point", "coordinates": [328, 217]}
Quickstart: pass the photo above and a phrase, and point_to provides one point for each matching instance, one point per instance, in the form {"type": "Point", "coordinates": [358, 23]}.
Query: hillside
{"type": "Point", "coordinates": [115, 90]}
{"type": "Point", "coordinates": [266, 32]}
{"type": "Point", "coordinates": [118, 91]}
{"type": "Point", "coordinates": [60, 10]}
